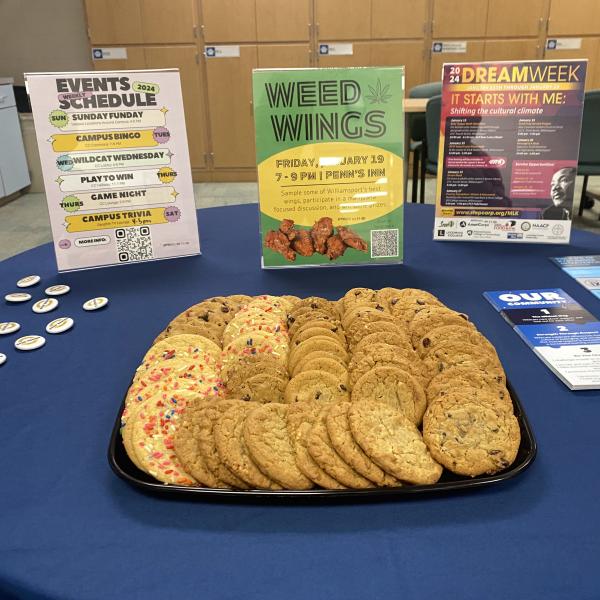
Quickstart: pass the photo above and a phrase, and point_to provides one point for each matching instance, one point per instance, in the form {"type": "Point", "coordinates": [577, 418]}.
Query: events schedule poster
{"type": "Point", "coordinates": [585, 270]}
{"type": "Point", "coordinates": [114, 154]}
{"type": "Point", "coordinates": [564, 335]}
{"type": "Point", "coordinates": [509, 142]}
{"type": "Point", "coordinates": [329, 145]}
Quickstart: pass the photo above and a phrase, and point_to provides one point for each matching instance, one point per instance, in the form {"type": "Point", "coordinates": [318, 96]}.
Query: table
{"type": "Point", "coordinates": [70, 529]}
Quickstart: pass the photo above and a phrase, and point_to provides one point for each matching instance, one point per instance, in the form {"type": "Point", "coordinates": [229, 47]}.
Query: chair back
{"type": "Point", "coordinates": [417, 121]}
{"type": "Point", "coordinates": [432, 120]}
{"type": "Point", "coordinates": [589, 145]}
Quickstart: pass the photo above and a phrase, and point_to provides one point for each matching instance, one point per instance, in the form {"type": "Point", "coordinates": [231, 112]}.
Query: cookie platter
{"type": "Point", "coordinates": [382, 393]}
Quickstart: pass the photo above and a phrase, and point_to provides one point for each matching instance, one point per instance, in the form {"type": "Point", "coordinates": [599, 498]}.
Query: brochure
{"type": "Point", "coordinates": [329, 146]}
{"type": "Point", "coordinates": [509, 142]}
{"type": "Point", "coordinates": [585, 270]}
{"type": "Point", "coordinates": [564, 335]}
{"type": "Point", "coordinates": [114, 154]}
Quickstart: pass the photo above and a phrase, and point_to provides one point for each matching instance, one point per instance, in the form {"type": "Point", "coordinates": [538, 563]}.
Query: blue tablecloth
{"type": "Point", "coordinates": [70, 529]}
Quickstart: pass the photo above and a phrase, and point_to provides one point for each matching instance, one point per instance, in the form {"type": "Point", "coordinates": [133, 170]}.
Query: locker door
{"type": "Point", "coordinates": [282, 20]}
{"type": "Point", "coordinates": [459, 18]}
{"type": "Point", "coordinates": [511, 49]}
{"type": "Point", "coordinates": [343, 19]}
{"type": "Point", "coordinates": [574, 17]}
{"type": "Point", "coordinates": [394, 19]}
{"type": "Point", "coordinates": [514, 18]}
{"type": "Point", "coordinates": [360, 57]}
{"type": "Point", "coordinates": [184, 58]}
{"type": "Point", "coordinates": [135, 60]}
{"type": "Point", "coordinates": [229, 21]}
{"type": "Point", "coordinates": [475, 51]}
{"type": "Point", "coordinates": [164, 23]}
{"type": "Point", "coordinates": [281, 56]}
{"type": "Point", "coordinates": [114, 21]}
{"type": "Point", "coordinates": [409, 54]}
{"type": "Point", "coordinates": [229, 84]}
{"type": "Point", "coordinates": [590, 49]}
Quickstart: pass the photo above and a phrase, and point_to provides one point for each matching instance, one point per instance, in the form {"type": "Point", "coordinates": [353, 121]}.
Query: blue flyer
{"type": "Point", "coordinates": [585, 270]}
{"type": "Point", "coordinates": [563, 334]}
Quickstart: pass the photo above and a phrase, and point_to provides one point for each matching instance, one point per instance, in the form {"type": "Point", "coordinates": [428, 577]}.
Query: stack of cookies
{"type": "Point", "coordinates": [380, 388]}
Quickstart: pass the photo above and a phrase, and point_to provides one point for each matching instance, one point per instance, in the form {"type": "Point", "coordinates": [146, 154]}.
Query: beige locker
{"type": "Point", "coordinates": [226, 21]}
{"type": "Point", "coordinates": [360, 57]}
{"type": "Point", "coordinates": [474, 53]}
{"type": "Point", "coordinates": [281, 56]}
{"type": "Point", "coordinates": [343, 19]}
{"type": "Point", "coordinates": [409, 54]}
{"type": "Point", "coordinates": [459, 18]}
{"type": "Point", "coordinates": [511, 49]}
{"type": "Point", "coordinates": [574, 17]}
{"type": "Point", "coordinates": [398, 19]}
{"type": "Point", "coordinates": [283, 20]}
{"type": "Point", "coordinates": [114, 21]}
{"type": "Point", "coordinates": [184, 58]}
{"type": "Point", "coordinates": [515, 18]}
{"type": "Point", "coordinates": [136, 59]}
{"type": "Point", "coordinates": [168, 23]}
{"type": "Point", "coordinates": [229, 85]}
{"type": "Point", "coordinates": [590, 49]}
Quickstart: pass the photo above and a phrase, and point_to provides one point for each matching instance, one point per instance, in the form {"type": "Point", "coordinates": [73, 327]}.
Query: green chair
{"type": "Point", "coordinates": [432, 124]}
{"type": "Point", "coordinates": [418, 144]}
{"type": "Point", "coordinates": [589, 145]}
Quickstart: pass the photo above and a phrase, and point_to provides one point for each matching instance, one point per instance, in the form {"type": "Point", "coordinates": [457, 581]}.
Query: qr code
{"type": "Point", "coordinates": [384, 243]}
{"type": "Point", "coordinates": [134, 243]}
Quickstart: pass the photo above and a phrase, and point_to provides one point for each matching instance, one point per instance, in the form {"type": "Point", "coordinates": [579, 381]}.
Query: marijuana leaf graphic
{"type": "Point", "coordinates": [379, 94]}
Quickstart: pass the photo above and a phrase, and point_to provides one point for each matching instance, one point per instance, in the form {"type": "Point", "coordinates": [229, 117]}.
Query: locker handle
{"type": "Point", "coordinates": [3, 99]}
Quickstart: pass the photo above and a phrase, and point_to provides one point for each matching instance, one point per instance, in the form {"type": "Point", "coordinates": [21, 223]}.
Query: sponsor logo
{"type": "Point", "coordinates": [446, 223]}
{"type": "Point", "coordinates": [441, 232]}
{"type": "Point", "coordinates": [514, 236]}
{"type": "Point", "coordinates": [541, 225]}
{"type": "Point", "coordinates": [505, 226]}
{"type": "Point", "coordinates": [463, 223]}
{"type": "Point", "coordinates": [469, 232]}
{"type": "Point", "coordinates": [525, 225]}
{"type": "Point", "coordinates": [558, 229]}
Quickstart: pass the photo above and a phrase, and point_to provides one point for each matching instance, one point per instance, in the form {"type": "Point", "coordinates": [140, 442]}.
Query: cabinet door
{"type": "Point", "coordinates": [282, 20]}
{"type": "Point", "coordinates": [229, 83]}
{"type": "Point", "coordinates": [343, 19]}
{"type": "Point", "coordinates": [184, 58]}
{"type": "Point", "coordinates": [281, 56]}
{"type": "Point", "coordinates": [409, 54]}
{"type": "Point", "coordinates": [514, 18]}
{"type": "Point", "coordinates": [474, 53]}
{"type": "Point", "coordinates": [394, 19]}
{"type": "Point", "coordinates": [511, 50]}
{"type": "Point", "coordinates": [360, 57]}
{"type": "Point", "coordinates": [459, 18]}
{"type": "Point", "coordinates": [574, 17]}
{"type": "Point", "coordinates": [590, 49]}
{"type": "Point", "coordinates": [14, 174]}
{"type": "Point", "coordinates": [164, 23]}
{"type": "Point", "coordinates": [136, 59]}
{"type": "Point", "coordinates": [114, 21]}
{"type": "Point", "coordinates": [229, 20]}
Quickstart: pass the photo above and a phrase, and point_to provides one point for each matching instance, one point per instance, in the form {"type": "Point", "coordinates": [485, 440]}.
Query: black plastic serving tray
{"type": "Point", "coordinates": [449, 482]}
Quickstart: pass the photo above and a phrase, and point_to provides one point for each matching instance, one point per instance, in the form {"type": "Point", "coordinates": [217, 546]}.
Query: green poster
{"type": "Point", "coordinates": [329, 146]}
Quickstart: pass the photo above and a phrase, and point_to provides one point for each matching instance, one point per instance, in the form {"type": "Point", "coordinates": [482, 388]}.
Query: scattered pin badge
{"type": "Point", "coordinates": [30, 342]}
{"type": "Point", "coordinates": [57, 290]}
{"type": "Point", "coordinates": [9, 327]}
{"type": "Point", "coordinates": [2, 358]}
{"type": "Point", "coordinates": [45, 305]}
{"type": "Point", "coordinates": [28, 281]}
{"type": "Point", "coordinates": [95, 303]}
{"type": "Point", "coordinates": [60, 325]}
{"type": "Point", "coordinates": [17, 297]}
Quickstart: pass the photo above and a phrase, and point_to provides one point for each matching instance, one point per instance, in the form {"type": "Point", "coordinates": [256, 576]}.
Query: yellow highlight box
{"type": "Point", "coordinates": [133, 138]}
{"type": "Point", "coordinates": [115, 219]}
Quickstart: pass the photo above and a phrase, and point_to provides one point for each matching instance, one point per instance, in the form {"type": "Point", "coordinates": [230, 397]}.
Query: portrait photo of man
{"type": "Point", "coordinates": [562, 186]}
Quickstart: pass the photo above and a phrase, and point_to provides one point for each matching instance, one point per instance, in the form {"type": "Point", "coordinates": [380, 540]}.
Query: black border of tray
{"type": "Point", "coordinates": [122, 466]}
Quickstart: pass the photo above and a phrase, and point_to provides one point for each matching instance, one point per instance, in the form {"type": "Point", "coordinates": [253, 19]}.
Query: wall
{"type": "Point", "coordinates": [42, 35]}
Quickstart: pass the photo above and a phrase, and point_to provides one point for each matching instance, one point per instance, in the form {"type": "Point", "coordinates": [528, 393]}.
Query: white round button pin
{"type": "Point", "coordinates": [57, 290]}
{"type": "Point", "coordinates": [17, 297]}
{"type": "Point", "coordinates": [2, 358]}
{"type": "Point", "coordinates": [44, 305]}
{"type": "Point", "coordinates": [30, 342]}
{"type": "Point", "coordinates": [28, 281]}
{"type": "Point", "coordinates": [60, 325]}
{"type": "Point", "coordinates": [9, 327]}
{"type": "Point", "coordinates": [95, 303]}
